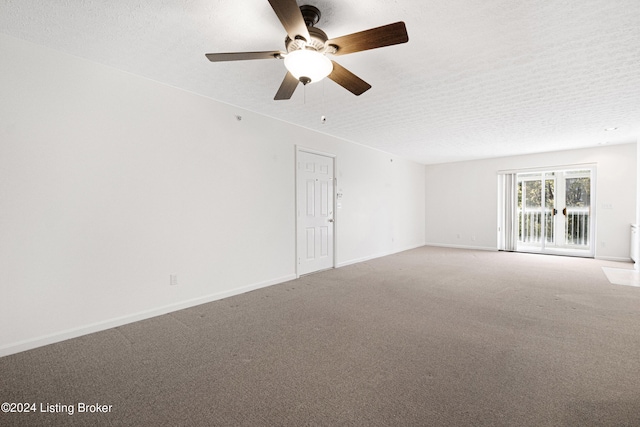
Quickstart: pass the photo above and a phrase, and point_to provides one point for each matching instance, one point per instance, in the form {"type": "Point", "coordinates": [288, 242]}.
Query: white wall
{"type": "Point", "coordinates": [461, 198]}
{"type": "Point", "coordinates": [110, 183]}
{"type": "Point", "coordinates": [637, 241]}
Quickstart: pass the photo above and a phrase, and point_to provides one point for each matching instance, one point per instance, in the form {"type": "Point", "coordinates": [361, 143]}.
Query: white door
{"type": "Point", "coordinates": [315, 219]}
{"type": "Point", "coordinates": [555, 212]}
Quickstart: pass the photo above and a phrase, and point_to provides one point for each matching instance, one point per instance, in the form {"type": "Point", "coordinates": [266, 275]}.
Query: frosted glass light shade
{"type": "Point", "coordinates": [308, 63]}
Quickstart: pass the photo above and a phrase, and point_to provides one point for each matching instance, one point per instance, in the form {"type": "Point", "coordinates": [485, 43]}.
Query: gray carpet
{"type": "Point", "coordinates": [427, 337]}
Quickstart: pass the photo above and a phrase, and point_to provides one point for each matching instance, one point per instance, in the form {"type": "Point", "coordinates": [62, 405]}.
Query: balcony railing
{"type": "Point", "coordinates": [576, 223]}
{"type": "Point", "coordinates": [577, 226]}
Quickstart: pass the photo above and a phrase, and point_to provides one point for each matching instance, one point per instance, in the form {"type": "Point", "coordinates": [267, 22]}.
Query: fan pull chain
{"type": "Point", "coordinates": [323, 117]}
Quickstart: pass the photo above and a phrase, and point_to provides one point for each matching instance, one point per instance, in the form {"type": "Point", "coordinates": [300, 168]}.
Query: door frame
{"type": "Point", "coordinates": [592, 226]}
{"type": "Point", "coordinates": [298, 223]}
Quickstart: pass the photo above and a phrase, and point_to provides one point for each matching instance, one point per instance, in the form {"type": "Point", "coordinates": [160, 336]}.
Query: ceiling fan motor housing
{"type": "Point", "coordinates": [317, 42]}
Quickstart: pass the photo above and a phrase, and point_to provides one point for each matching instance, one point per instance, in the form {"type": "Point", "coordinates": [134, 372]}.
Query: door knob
{"type": "Point", "coordinates": [330, 220]}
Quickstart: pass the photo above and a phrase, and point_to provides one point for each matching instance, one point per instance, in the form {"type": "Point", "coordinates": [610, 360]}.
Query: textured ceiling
{"type": "Point", "coordinates": [477, 79]}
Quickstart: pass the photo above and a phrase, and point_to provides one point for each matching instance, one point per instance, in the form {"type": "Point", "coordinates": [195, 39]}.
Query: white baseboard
{"type": "Point", "coordinates": [55, 337]}
{"type": "Point", "coordinates": [358, 260]}
{"type": "Point", "coordinates": [613, 258]}
{"type": "Point", "coordinates": [477, 248]}
{"type": "Point", "coordinates": [380, 255]}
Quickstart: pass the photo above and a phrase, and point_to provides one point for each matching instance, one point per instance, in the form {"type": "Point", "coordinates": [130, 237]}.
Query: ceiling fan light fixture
{"type": "Point", "coordinates": [306, 46]}
{"type": "Point", "coordinates": [308, 66]}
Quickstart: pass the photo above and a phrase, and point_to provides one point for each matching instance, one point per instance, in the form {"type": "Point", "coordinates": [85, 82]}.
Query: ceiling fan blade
{"type": "Point", "coordinates": [241, 56]}
{"type": "Point", "coordinates": [291, 18]}
{"type": "Point", "coordinates": [287, 87]}
{"type": "Point", "coordinates": [348, 80]}
{"type": "Point", "coordinates": [387, 35]}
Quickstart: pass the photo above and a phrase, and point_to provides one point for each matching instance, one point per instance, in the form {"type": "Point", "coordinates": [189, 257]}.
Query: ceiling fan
{"type": "Point", "coordinates": [306, 48]}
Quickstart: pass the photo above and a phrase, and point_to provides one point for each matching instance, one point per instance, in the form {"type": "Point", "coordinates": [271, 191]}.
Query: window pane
{"type": "Point", "coordinates": [578, 192]}
{"type": "Point", "coordinates": [533, 195]}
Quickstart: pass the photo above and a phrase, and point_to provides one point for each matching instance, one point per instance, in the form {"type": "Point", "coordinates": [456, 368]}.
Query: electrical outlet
{"type": "Point", "coordinates": [173, 280]}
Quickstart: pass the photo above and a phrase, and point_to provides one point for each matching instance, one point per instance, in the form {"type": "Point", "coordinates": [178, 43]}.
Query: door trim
{"type": "Point", "coordinates": [299, 149]}
{"type": "Point", "coordinates": [566, 251]}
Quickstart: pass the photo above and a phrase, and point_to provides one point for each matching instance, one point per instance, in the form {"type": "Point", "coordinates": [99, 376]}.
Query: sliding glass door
{"type": "Point", "coordinates": [555, 212]}
{"type": "Point", "coordinates": [536, 207]}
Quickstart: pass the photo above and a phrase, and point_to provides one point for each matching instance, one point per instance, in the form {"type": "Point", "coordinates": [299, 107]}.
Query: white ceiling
{"type": "Point", "coordinates": [477, 79]}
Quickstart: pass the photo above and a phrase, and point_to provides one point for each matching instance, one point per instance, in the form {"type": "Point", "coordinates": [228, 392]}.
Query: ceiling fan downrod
{"type": "Point", "coordinates": [310, 14]}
